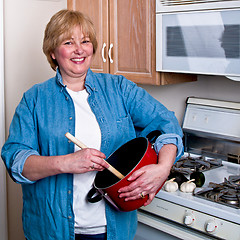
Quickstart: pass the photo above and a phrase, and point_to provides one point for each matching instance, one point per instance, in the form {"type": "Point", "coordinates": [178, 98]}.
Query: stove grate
{"type": "Point", "coordinates": [226, 193]}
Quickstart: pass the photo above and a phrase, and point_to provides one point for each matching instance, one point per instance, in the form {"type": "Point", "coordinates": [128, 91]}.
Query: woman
{"type": "Point", "coordinates": [104, 111]}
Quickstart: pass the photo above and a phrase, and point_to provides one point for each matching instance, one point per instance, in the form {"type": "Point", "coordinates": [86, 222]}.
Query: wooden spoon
{"type": "Point", "coordinates": [82, 146]}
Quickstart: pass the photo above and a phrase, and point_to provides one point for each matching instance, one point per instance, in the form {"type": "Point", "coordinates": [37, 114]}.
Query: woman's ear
{"type": "Point", "coordinates": [53, 56]}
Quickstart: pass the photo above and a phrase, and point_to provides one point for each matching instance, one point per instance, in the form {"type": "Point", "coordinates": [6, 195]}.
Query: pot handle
{"type": "Point", "coordinates": [152, 136]}
{"type": "Point", "coordinates": [93, 199]}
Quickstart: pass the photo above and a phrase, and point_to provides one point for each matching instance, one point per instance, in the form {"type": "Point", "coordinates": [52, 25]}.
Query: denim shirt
{"type": "Point", "coordinates": [46, 112]}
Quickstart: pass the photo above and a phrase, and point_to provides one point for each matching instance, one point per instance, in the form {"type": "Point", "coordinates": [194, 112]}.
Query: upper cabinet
{"type": "Point", "coordinates": [126, 40]}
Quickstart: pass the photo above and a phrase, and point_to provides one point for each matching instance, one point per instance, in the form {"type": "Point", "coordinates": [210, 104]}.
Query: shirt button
{"type": "Point", "coordinates": [70, 118]}
{"type": "Point", "coordinates": [67, 98]}
{"type": "Point", "coordinates": [69, 217]}
{"type": "Point", "coordinates": [69, 191]}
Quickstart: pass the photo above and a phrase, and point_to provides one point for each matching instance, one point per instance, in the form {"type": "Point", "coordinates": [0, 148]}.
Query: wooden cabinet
{"type": "Point", "coordinates": [126, 40]}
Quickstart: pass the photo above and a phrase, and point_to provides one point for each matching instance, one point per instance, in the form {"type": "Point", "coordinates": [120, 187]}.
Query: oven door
{"type": "Point", "coordinates": [154, 227]}
{"type": "Point", "coordinates": [202, 42]}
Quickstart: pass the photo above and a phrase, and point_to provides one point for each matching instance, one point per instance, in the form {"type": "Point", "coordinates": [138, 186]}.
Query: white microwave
{"type": "Point", "coordinates": [201, 37]}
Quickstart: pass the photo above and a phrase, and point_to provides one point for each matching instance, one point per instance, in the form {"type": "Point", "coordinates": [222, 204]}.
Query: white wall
{"type": "Point", "coordinates": [3, 196]}
{"type": "Point", "coordinates": [25, 65]}
{"type": "Point", "coordinates": [214, 87]}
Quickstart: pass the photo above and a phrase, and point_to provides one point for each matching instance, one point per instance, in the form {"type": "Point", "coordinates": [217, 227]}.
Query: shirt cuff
{"type": "Point", "coordinates": [170, 138]}
{"type": "Point", "coordinates": [18, 164]}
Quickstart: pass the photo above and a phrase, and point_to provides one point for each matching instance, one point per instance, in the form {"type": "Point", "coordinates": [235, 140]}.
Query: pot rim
{"type": "Point", "coordinates": [133, 169]}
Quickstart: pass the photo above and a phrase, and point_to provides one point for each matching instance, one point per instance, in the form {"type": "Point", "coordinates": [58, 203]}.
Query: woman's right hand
{"type": "Point", "coordinates": [85, 160]}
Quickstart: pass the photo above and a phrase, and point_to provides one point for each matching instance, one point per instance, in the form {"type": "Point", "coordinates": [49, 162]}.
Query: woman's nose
{"type": "Point", "coordinates": [78, 48]}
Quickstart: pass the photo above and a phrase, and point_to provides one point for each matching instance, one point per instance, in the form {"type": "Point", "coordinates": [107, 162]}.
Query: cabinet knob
{"type": "Point", "coordinates": [109, 53]}
{"type": "Point", "coordinates": [103, 51]}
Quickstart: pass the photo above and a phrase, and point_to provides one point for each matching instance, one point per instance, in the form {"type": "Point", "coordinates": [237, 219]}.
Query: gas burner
{"type": "Point", "coordinates": [188, 164]}
{"type": "Point", "coordinates": [227, 192]}
{"type": "Point", "coordinates": [195, 164]}
{"type": "Point", "coordinates": [228, 196]}
{"type": "Point", "coordinates": [231, 197]}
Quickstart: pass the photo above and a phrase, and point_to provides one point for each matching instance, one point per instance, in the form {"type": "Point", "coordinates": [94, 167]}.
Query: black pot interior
{"type": "Point", "coordinates": [124, 159]}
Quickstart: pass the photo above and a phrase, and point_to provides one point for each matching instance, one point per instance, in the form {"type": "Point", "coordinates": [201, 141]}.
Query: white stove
{"type": "Point", "coordinates": [211, 128]}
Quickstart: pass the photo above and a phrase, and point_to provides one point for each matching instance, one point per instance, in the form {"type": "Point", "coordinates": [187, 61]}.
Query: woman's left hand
{"type": "Point", "coordinates": [148, 179]}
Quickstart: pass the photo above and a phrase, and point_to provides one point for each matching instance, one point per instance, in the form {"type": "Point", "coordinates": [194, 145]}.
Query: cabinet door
{"type": "Point", "coordinates": [132, 33]}
{"type": "Point", "coordinates": [126, 34]}
{"type": "Point", "coordinates": [97, 10]}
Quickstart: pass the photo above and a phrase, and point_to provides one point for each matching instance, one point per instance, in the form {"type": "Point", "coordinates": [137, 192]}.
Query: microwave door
{"type": "Point", "coordinates": [203, 42]}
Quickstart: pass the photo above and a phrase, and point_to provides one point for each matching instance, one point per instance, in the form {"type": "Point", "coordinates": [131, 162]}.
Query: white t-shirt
{"type": "Point", "coordinates": [90, 218]}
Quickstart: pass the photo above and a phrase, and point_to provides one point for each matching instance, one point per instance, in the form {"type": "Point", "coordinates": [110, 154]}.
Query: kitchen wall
{"type": "Point", "coordinates": [215, 87]}
{"type": "Point", "coordinates": [26, 65]}
{"type": "Point", "coordinates": [3, 199]}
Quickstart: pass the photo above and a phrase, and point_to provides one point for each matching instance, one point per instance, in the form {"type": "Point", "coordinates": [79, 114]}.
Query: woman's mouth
{"type": "Point", "coordinates": [77, 60]}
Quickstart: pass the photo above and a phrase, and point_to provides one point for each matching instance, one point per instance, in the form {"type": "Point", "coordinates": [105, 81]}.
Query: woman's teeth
{"type": "Point", "coordinates": [77, 59]}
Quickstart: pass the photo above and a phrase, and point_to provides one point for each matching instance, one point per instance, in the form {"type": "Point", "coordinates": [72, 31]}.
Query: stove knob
{"type": "Point", "coordinates": [211, 226]}
{"type": "Point", "coordinates": [189, 219]}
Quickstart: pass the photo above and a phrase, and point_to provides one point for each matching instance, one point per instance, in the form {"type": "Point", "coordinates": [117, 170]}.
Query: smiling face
{"type": "Point", "coordinates": [74, 56]}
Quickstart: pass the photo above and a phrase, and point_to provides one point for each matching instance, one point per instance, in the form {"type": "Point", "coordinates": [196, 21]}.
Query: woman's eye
{"type": "Point", "coordinates": [86, 41]}
{"type": "Point", "coordinates": [67, 43]}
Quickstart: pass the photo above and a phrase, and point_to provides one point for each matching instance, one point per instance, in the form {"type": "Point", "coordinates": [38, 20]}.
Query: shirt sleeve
{"type": "Point", "coordinates": [21, 143]}
{"type": "Point", "coordinates": [170, 138]}
{"type": "Point", "coordinates": [149, 115]}
{"type": "Point", "coordinates": [17, 166]}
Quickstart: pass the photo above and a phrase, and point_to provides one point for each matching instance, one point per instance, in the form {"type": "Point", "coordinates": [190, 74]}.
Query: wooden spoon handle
{"type": "Point", "coordinates": [75, 140]}
{"type": "Point", "coordinates": [82, 146]}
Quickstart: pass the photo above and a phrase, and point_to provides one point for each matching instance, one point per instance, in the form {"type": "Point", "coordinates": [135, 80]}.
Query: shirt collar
{"type": "Point", "coordinates": [89, 82]}
{"type": "Point", "coordinates": [59, 78]}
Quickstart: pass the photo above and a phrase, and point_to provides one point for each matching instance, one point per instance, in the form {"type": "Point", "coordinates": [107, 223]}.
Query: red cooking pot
{"type": "Point", "coordinates": [128, 158]}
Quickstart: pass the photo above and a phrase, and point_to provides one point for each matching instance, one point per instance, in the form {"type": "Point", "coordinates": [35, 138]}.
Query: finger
{"type": "Point", "coordinates": [136, 175]}
{"type": "Point", "coordinates": [140, 182]}
{"type": "Point", "coordinates": [96, 167]}
{"type": "Point", "coordinates": [99, 162]}
{"type": "Point", "coordinates": [135, 194]}
{"type": "Point", "coordinates": [139, 195]}
{"type": "Point", "coordinates": [97, 153]}
{"type": "Point", "coordinates": [131, 188]}
{"type": "Point", "coordinates": [96, 157]}
{"type": "Point", "coordinates": [150, 198]}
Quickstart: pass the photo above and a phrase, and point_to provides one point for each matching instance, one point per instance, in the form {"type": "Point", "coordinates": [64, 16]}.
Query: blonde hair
{"type": "Point", "coordinates": [60, 28]}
